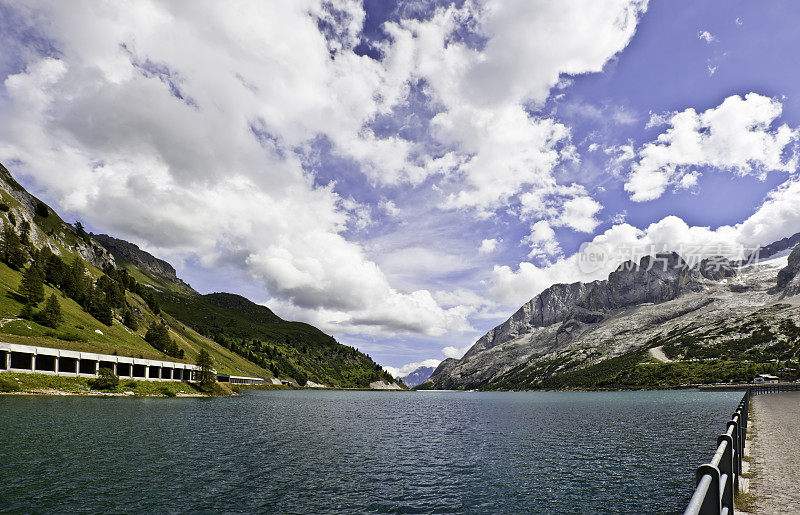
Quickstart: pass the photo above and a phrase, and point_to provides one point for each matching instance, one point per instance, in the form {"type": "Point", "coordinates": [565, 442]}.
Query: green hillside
{"type": "Point", "coordinates": [41, 239]}
{"type": "Point", "coordinates": [292, 349]}
{"type": "Point", "coordinates": [111, 306]}
{"type": "Point", "coordinates": [80, 331]}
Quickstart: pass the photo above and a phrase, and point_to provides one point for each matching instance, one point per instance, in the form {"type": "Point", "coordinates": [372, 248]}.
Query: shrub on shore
{"type": "Point", "coordinates": [167, 391]}
{"type": "Point", "coordinates": [107, 380]}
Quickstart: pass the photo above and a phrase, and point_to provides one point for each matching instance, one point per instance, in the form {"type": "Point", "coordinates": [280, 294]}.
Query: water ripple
{"type": "Point", "coordinates": [358, 452]}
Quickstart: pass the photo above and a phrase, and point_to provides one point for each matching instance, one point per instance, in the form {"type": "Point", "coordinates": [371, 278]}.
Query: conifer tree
{"type": "Point", "coordinates": [115, 296]}
{"type": "Point", "coordinates": [206, 364]}
{"type": "Point", "coordinates": [32, 287]}
{"type": "Point", "coordinates": [50, 315]}
{"type": "Point", "coordinates": [129, 319]}
{"type": "Point", "coordinates": [76, 284]}
{"type": "Point", "coordinates": [41, 210]}
{"type": "Point", "coordinates": [55, 271]}
{"type": "Point", "coordinates": [13, 255]}
{"type": "Point", "coordinates": [98, 306]}
{"type": "Point", "coordinates": [39, 257]}
{"type": "Point", "coordinates": [25, 233]}
{"type": "Point", "coordinates": [27, 311]}
{"type": "Point", "coordinates": [158, 336]}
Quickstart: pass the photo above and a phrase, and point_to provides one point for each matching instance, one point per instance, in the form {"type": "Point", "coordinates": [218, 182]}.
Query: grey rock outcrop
{"type": "Point", "coordinates": [129, 252]}
{"type": "Point", "coordinates": [126, 251]}
{"type": "Point", "coordinates": [24, 211]}
{"type": "Point", "coordinates": [567, 325]}
{"type": "Point", "coordinates": [549, 307]}
{"type": "Point", "coordinates": [716, 268]}
{"type": "Point", "coordinates": [654, 279]}
{"type": "Point", "coordinates": [382, 385]}
{"type": "Point", "coordinates": [789, 277]}
{"type": "Point", "coordinates": [793, 288]}
{"type": "Point", "coordinates": [773, 248]}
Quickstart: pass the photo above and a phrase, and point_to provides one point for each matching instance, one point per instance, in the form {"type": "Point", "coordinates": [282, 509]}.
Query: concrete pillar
{"type": "Point", "coordinates": [55, 368]}
{"type": "Point", "coordinates": [33, 361]}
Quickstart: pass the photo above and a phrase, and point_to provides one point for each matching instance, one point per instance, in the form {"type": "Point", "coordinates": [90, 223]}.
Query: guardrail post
{"type": "Point", "coordinates": [727, 466]}
{"type": "Point", "coordinates": [746, 413]}
{"type": "Point", "coordinates": [711, 498]}
{"type": "Point", "coordinates": [735, 449]}
{"type": "Point", "coordinates": [711, 503]}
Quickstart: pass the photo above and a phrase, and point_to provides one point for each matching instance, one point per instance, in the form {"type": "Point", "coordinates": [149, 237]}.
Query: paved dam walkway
{"type": "Point", "coordinates": [775, 453]}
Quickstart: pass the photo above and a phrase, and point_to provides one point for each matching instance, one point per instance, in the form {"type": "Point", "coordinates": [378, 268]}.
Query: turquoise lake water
{"type": "Point", "coordinates": [359, 452]}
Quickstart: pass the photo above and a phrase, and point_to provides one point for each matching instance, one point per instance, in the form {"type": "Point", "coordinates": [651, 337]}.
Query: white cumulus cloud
{"type": "Point", "coordinates": [174, 125]}
{"type": "Point", "coordinates": [542, 240]}
{"type": "Point", "coordinates": [579, 214]}
{"type": "Point", "coordinates": [777, 217]}
{"type": "Point", "coordinates": [186, 127]}
{"type": "Point", "coordinates": [455, 352]}
{"type": "Point", "coordinates": [740, 135]}
{"type": "Point", "coordinates": [706, 36]}
{"type": "Point", "coordinates": [498, 148]}
{"type": "Point", "coordinates": [487, 246]}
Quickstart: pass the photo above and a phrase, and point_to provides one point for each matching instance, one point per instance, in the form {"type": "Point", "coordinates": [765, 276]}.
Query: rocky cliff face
{"type": "Point", "coordinates": [23, 206]}
{"type": "Point", "coordinates": [125, 251]}
{"type": "Point", "coordinates": [716, 268]}
{"type": "Point", "coordinates": [770, 250]}
{"type": "Point", "coordinates": [52, 232]}
{"type": "Point", "coordinates": [654, 279]}
{"type": "Point", "coordinates": [789, 277]}
{"type": "Point", "coordinates": [578, 323]}
{"type": "Point", "coordinates": [549, 307]}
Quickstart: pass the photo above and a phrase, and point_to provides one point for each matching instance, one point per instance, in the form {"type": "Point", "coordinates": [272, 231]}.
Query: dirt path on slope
{"type": "Point", "coordinates": [657, 353]}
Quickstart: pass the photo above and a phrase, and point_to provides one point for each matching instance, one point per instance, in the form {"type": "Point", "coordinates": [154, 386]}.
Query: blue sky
{"type": "Point", "coordinates": [405, 174]}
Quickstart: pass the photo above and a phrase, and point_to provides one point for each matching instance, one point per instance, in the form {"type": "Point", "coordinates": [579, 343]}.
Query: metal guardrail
{"type": "Point", "coordinates": [718, 481]}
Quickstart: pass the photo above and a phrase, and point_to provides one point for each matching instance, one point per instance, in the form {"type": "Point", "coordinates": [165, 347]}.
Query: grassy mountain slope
{"type": "Point", "coordinates": [285, 349]}
{"type": "Point", "coordinates": [79, 330]}
{"type": "Point", "coordinates": [292, 349]}
{"type": "Point", "coordinates": [101, 289]}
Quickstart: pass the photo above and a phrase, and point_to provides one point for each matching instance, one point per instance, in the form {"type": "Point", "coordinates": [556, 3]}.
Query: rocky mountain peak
{"type": "Point", "coordinates": [653, 297]}
{"type": "Point", "coordinates": [789, 277]}
{"type": "Point", "coordinates": [716, 268]}
{"type": "Point", "coordinates": [417, 377]}
{"type": "Point", "coordinates": [654, 279]}
{"type": "Point", "coordinates": [129, 252]}
{"type": "Point", "coordinates": [773, 248]}
{"type": "Point", "coordinates": [658, 296]}
{"type": "Point", "coordinates": [549, 307]}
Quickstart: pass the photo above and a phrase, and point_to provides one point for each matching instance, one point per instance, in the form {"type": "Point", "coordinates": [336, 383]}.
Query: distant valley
{"type": "Point", "coordinates": [418, 376]}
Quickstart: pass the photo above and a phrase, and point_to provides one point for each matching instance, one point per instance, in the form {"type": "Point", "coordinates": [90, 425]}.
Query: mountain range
{"type": "Point", "coordinates": [418, 376]}
{"type": "Point", "coordinates": [655, 322]}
